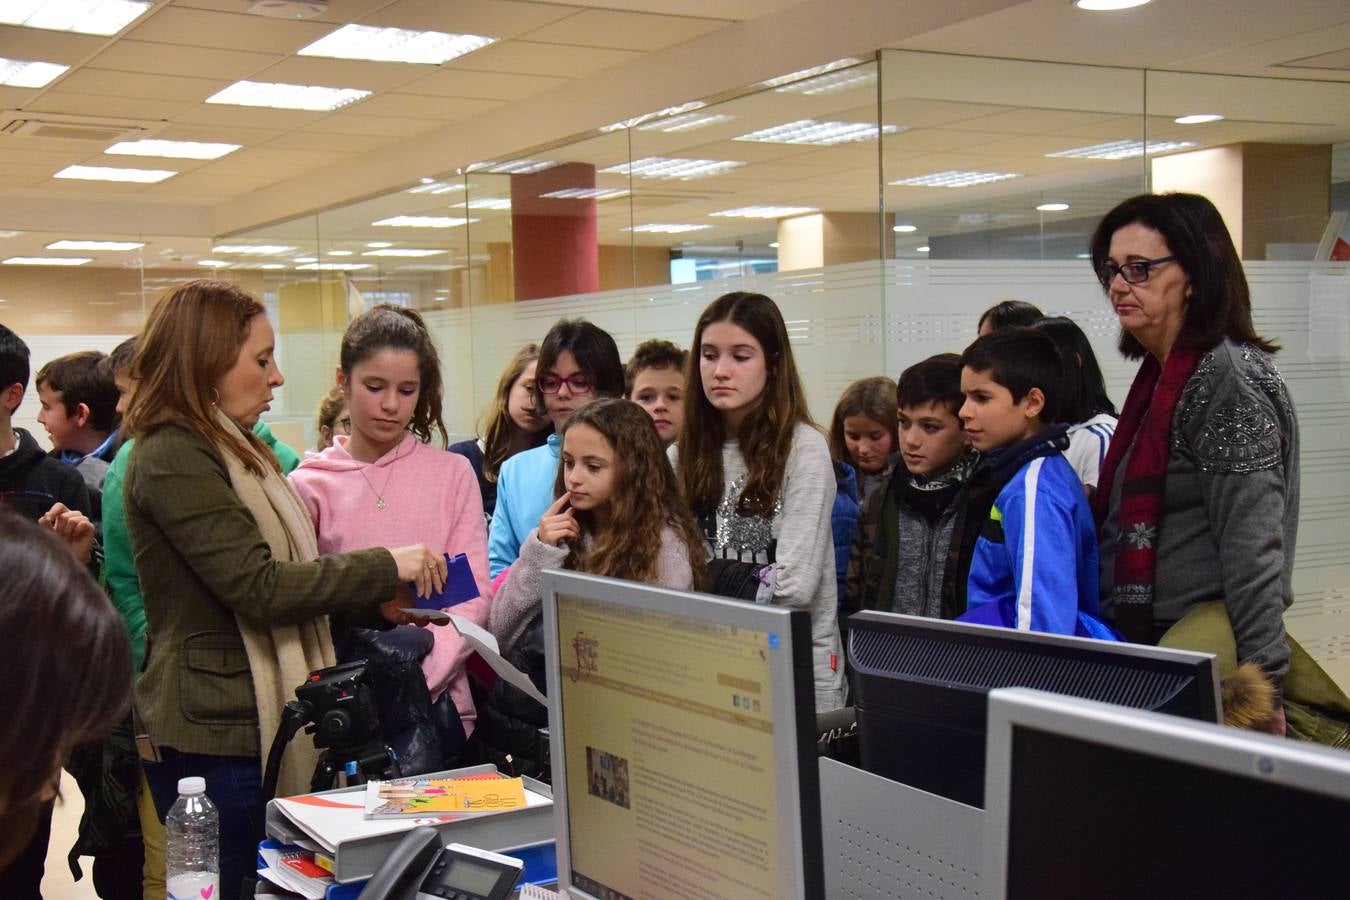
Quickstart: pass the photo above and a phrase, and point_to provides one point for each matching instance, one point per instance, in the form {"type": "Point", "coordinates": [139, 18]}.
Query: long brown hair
{"type": "Point", "coordinates": [871, 397]}
{"type": "Point", "coordinates": [190, 341]}
{"type": "Point", "coordinates": [645, 499]}
{"type": "Point", "coordinates": [764, 435]}
{"type": "Point", "coordinates": [387, 326]}
{"type": "Point", "coordinates": [500, 428]}
{"type": "Point", "coordinates": [66, 680]}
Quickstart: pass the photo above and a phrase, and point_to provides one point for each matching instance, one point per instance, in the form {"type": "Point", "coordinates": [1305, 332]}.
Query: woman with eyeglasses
{"type": "Point", "coordinates": [1198, 497]}
{"type": "Point", "coordinates": [578, 362]}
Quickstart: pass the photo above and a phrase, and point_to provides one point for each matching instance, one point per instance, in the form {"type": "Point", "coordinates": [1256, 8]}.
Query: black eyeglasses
{"type": "Point", "coordinates": [577, 382]}
{"type": "Point", "coordinates": [1133, 272]}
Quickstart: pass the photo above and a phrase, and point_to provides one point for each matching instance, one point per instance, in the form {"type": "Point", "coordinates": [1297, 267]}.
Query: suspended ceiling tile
{"type": "Point", "coordinates": [481, 85]}
{"type": "Point", "coordinates": [216, 134]}
{"type": "Point", "coordinates": [441, 109]}
{"type": "Point", "coordinates": [47, 46]}
{"type": "Point", "coordinates": [1033, 121]}
{"type": "Point", "coordinates": [339, 11]}
{"type": "Point", "coordinates": [15, 98]}
{"type": "Point", "coordinates": [543, 59]}
{"type": "Point", "coordinates": [353, 73]}
{"type": "Point", "coordinates": [502, 19]}
{"type": "Point", "coordinates": [116, 107]}
{"type": "Point", "coordinates": [624, 30]}
{"type": "Point", "coordinates": [931, 139]}
{"type": "Point", "coordinates": [267, 161]}
{"type": "Point", "coordinates": [303, 140]}
{"type": "Point", "coordinates": [355, 123]}
{"type": "Point", "coordinates": [168, 59]}
{"type": "Point", "coordinates": [200, 185]}
{"type": "Point", "coordinates": [914, 112]}
{"type": "Point", "coordinates": [738, 9]}
{"type": "Point", "coordinates": [232, 31]}
{"type": "Point", "coordinates": [103, 82]}
{"type": "Point", "coordinates": [247, 116]}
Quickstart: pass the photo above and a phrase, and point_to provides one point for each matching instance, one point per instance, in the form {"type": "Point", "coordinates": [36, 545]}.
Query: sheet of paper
{"type": "Point", "coordinates": [487, 647]}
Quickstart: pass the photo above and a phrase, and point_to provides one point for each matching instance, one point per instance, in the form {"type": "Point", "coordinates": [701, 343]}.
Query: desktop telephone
{"type": "Point", "coordinates": [419, 868]}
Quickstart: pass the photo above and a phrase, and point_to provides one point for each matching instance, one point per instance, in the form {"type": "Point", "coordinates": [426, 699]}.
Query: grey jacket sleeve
{"type": "Point", "coordinates": [517, 600]}
{"type": "Point", "coordinates": [1241, 439]}
{"type": "Point", "coordinates": [805, 540]}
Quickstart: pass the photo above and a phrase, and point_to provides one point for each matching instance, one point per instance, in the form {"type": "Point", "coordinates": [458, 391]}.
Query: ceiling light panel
{"type": "Point", "coordinates": [1122, 149]}
{"type": "Point", "coordinates": [410, 252]}
{"type": "Point", "coordinates": [673, 168]}
{"type": "Point", "coordinates": [172, 149]}
{"type": "Point", "coordinates": [214, 263]}
{"type": "Point", "coordinates": [22, 73]}
{"type": "Point", "coordinates": [647, 117]}
{"type": "Point", "coordinates": [395, 45]}
{"type": "Point", "coordinates": [287, 96]}
{"type": "Point", "coordinates": [587, 194]}
{"type": "Point", "coordinates": [1198, 119]}
{"type": "Point", "coordinates": [811, 72]}
{"type": "Point", "coordinates": [106, 173]}
{"type": "Point", "coordinates": [333, 267]}
{"type": "Point", "coordinates": [686, 122]}
{"type": "Point", "coordinates": [657, 228]}
{"type": "Point", "coordinates": [810, 131]}
{"type": "Point", "coordinates": [438, 187]}
{"type": "Point", "coordinates": [485, 203]}
{"type": "Point", "coordinates": [832, 83]}
{"type": "Point", "coordinates": [253, 249]}
{"type": "Point", "coordinates": [423, 222]}
{"type": "Point", "coordinates": [82, 16]}
{"type": "Point", "coordinates": [47, 260]}
{"type": "Point", "coordinates": [765, 212]}
{"type": "Point", "coordinates": [512, 167]}
{"type": "Point", "coordinates": [955, 178]}
{"type": "Point", "coordinates": [95, 245]}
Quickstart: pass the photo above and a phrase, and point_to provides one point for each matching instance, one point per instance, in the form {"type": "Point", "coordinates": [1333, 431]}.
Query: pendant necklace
{"type": "Point", "coordinates": [379, 500]}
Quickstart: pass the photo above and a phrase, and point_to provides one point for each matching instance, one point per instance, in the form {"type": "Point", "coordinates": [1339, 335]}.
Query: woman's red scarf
{"type": "Point", "coordinates": [1144, 431]}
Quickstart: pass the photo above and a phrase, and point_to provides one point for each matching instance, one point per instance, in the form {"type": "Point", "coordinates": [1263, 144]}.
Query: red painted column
{"type": "Point", "coordinates": [555, 251]}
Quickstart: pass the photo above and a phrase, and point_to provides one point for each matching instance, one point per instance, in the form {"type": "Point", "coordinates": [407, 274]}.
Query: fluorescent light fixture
{"type": "Point", "coordinates": [333, 267]}
{"type": "Point", "coordinates": [955, 178]}
{"type": "Point", "coordinates": [1052, 207]}
{"type": "Point", "coordinates": [378, 244]}
{"type": "Point", "coordinates": [214, 263]}
{"type": "Point", "coordinates": [832, 82]}
{"type": "Point", "coordinates": [10, 234]}
{"type": "Point", "coordinates": [253, 249]}
{"type": "Point", "coordinates": [686, 122]}
{"type": "Point", "coordinates": [272, 266]}
{"type": "Point", "coordinates": [647, 117]}
{"type": "Point", "coordinates": [403, 251]}
{"type": "Point", "coordinates": [587, 194]}
{"type": "Point", "coordinates": [95, 245]}
{"type": "Point", "coordinates": [658, 228]}
{"type": "Point", "coordinates": [423, 222]}
{"type": "Point", "coordinates": [673, 167]}
{"type": "Point", "coordinates": [1122, 149]}
{"type": "Point", "coordinates": [905, 229]}
{"type": "Point", "coordinates": [1107, 5]}
{"type": "Point", "coordinates": [172, 149]}
{"type": "Point", "coordinates": [1198, 119]}
{"type": "Point", "coordinates": [305, 259]}
{"type": "Point", "coordinates": [437, 187]}
{"type": "Point", "coordinates": [512, 166]}
{"type": "Point", "coordinates": [765, 212]}
{"type": "Point", "coordinates": [814, 70]}
{"type": "Point", "coordinates": [21, 73]}
{"type": "Point", "coordinates": [82, 16]}
{"type": "Point", "coordinates": [47, 260]}
{"type": "Point", "coordinates": [773, 245]}
{"type": "Point", "coordinates": [287, 96]}
{"type": "Point", "coordinates": [484, 203]}
{"type": "Point", "coordinates": [395, 45]}
{"type": "Point", "coordinates": [809, 131]}
{"type": "Point", "coordinates": [923, 249]}
{"type": "Point", "coordinates": [107, 173]}
{"type": "Point", "coordinates": [339, 253]}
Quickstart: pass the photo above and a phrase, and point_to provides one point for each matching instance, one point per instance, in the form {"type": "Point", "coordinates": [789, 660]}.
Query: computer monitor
{"type": "Point", "coordinates": [682, 729]}
{"type": "Point", "coordinates": [1088, 799]}
{"type": "Point", "coordinates": [920, 689]}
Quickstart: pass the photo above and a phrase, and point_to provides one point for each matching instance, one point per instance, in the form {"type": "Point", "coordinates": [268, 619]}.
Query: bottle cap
{"type": "Point", "coordinates": [194, 785]}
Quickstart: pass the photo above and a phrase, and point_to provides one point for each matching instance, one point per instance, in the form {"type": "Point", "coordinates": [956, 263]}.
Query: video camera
{"type": "Point", "coordinates": [339, 701]}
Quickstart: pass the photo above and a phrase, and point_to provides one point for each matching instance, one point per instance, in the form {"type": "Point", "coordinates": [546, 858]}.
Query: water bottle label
{"type": "Point", "coordinates": [193, 886]}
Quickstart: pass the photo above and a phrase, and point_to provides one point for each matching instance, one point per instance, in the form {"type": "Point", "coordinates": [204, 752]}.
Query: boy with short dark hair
{"type": "Point", "coordinates": [1028, 544]}
{"type": "Point", "coordinates": [899, 551]}
{"type": "Point", "coordinates": [654, 380]}
{"type": "Point", "coordinates": [79, 411]}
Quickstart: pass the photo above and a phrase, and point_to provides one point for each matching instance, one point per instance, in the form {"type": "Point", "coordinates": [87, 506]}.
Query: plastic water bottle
{"type": "Point", "coordinates": [192, 844]}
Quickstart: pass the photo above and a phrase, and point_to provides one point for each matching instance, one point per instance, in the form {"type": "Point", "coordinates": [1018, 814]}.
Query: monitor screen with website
{"type": "Point", "coordinates": [920, 687]}
{"type": "Point", "coordinates": [682, 729]}
{"type": "Point", "coordinates": [1094, 800]}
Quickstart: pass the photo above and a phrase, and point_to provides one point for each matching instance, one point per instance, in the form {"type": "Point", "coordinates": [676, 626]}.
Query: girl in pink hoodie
{"type": "Point", "coordinates": [386, 486]}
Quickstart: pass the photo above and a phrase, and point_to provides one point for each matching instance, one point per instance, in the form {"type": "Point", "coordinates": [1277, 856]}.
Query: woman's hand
{"type": "Point", "coordinates": [73, 528]}
{"type": "Point", "coordinates": [422, 567]}
{"type": "Point", "coordinates": [557, 525]}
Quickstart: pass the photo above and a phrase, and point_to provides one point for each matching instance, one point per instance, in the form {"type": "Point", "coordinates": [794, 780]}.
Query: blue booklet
{"type": "Point", "coordinates": [459, 587]}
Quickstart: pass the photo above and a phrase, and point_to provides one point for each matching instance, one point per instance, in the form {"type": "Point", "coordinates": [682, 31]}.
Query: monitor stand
{"type": "Point", "coordinates": [883, 839]}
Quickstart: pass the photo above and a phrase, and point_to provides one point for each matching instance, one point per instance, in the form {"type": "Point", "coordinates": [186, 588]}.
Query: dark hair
{"type": "Point", "coordinates": [596, 354]}
{"type": "Point", "coordinates": [765, 433]}
{"type": "Point", "coordinates": [652, 354]}
{"type": "Point", "coordinates": [82, 377]}
{"type": "Point", "coordinates": [1010, 314]}
{"type": "Point", "coordinates": [1219, 303]}
{"type": "Point", "coordinates": [500, 427]}
{"type": "Point", "coordinates": [14, 357]}
{"type": "Point", "coordinates": [1020, 359]}
{"type": "Point", "coordinates": [67, 680]}
{"type": "Point", "coordinates": [936, 379]}
{"type": "Point", "coordinates": [871, 397]}
{"type": "Point", "coordinates": [1085, 394]}
{"type": "Point", "coordinates": [399, 328]}
{"type": "Point", "coordinates": [119, 360]}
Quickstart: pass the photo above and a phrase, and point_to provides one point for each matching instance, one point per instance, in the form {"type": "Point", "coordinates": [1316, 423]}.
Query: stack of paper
{"type": "Point", "coordinates": [294, 869]}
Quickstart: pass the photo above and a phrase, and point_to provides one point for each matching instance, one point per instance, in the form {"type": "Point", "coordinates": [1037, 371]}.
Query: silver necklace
{"type": "Point", "coordinates": [379, 500]}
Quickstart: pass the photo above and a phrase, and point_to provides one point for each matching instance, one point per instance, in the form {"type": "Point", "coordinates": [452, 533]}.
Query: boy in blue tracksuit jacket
{"type": "Point", "coordinates": [1034, 560]}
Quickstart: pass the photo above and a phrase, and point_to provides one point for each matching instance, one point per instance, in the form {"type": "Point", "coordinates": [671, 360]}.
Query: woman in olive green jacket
{"type": "Point", "coordinates": [236, 595]}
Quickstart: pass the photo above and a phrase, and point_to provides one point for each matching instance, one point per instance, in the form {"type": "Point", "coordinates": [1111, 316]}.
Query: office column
{"type": "Point", "coordinates": [554, 240]}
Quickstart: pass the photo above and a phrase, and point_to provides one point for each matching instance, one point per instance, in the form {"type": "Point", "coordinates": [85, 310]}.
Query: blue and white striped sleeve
{"type": "Point", "coordinates": [1040, 540]}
